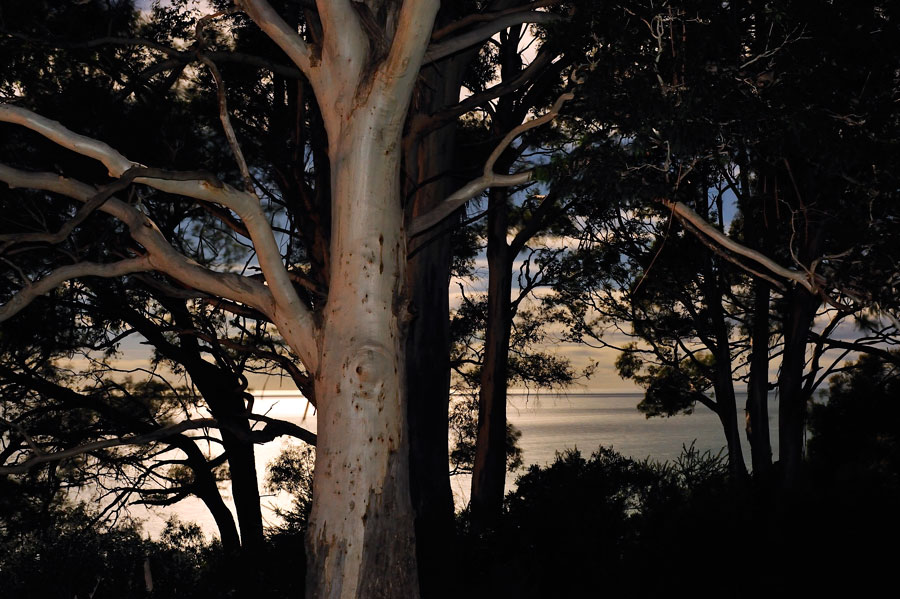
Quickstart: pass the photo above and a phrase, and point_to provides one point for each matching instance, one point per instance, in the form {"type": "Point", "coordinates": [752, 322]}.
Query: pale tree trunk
{"type": "Point", "coordinates": [361, 541]}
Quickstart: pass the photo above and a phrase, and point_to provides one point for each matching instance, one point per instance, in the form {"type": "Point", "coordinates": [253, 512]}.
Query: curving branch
{"type": "Point", "coordinates": [488, 178]}
{"type": "Point", "coordinates": [33, 290]}
{"type": "Point", "coordinates": [290, 314]}
{"type": "Point", "coordinates": [685, 213]}
{"type": "Point", "coordinates": [225, 119]}
{"type": "Point", "coordinates": [487, 16]}
{"type": "Point", "coordinates": [478, 35]}
{"type": "Point", "coordinates": [168, 431]}
{"type": "Point", "coordinates": [285, 36]}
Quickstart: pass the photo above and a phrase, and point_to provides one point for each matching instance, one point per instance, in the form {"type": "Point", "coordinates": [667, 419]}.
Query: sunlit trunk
{"type": "Point", "coordinates": [361, 541]}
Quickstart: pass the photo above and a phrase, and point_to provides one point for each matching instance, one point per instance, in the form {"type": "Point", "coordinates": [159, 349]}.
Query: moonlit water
{"type": "Point", "coordinates": [549, 424]}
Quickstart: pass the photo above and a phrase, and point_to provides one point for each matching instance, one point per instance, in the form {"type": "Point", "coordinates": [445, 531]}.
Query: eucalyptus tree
{"type": "Point", "coordinates": [127, 454]}
{"type": "Point", "coordinates": [760, 100]}
{"type": "Point", "coordinates": [346, 321]}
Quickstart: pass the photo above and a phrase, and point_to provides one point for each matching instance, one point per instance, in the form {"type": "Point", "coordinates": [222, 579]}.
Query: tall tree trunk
{"type": "Point", "coordinates": [360, 540]}
{"type": "Point", "coordinates": [244, 487]}
{"type": "Point", "coordinates": [758, 385]}
{"type": "Point", "coordinates": [727, 412]}
{"type": "Point", "coordinates": [428, 161]}
{"type": "Point", "coordinates": [798, 318]}
{"type": "Point", "coordinates": [489, 471]}
{"type": "Point", "coordinates": [223, 394]}
{"type": "Point", "coordinates": [723, 381]}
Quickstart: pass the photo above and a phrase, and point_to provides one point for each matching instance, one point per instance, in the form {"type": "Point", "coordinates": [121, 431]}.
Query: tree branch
{"type": "Point", "coordinates": [488, 178]}
{"type": "Point", "coordinates": [685, 213]}
{"type": "Point", "coordinates": [488, 16]}
{"type": "Point", "coordinates": [161, 255]}
{"type": "Point", "coordinates": [168, 431]}
{"type": "Point", "coordinates": [477, 35]}
{"type": "Point", "coordinates": [23, 298]}
{"type": "Point", "coordinates": [288, 311]}
{"type": "Point", "coordinates": [285, 36]}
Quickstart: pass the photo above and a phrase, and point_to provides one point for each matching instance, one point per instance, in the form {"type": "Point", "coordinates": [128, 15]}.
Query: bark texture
{"type": "Point", "coordinates": [361, 541]}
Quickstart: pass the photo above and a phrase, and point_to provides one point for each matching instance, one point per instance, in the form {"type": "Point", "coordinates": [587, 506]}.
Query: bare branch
{"type": "Point", "coordinates": [226, 123]}
{"type": "Point", "coordinates": [487, 16]}
{"type": "Point", "coordinates": [489, 178]}
{"type": "Point", "coordinates": [685, 213]}
{"type": "Point", "coordinates": [479, 34]}
{"type": "Point", "coordinates": [168, 431]}
{"type": "Point", "coordinates": [66, 273]}
{"type": "Point", "coordinates": [161, 255]}
{"type": "Point", "coordinates": [280, 32]}
{"type": "Point", "coordinates": [277, 428]}
{"type": "Point", "coordinates": [289, 310]}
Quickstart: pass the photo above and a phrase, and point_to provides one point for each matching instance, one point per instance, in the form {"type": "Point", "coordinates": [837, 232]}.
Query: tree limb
{"type": "Point", "coordinates": [685, 213]}
{"type": "Point", "coordinates": [168, 431]}
{"type": "Point", "coordinates": [477, 35]}
{"type": "Point", "coordinates": [487, 16]}
{"type": "Point", "coordinates": [281, 33]}
{"type": "Point", "coordinates": [488, 178]}
{"type": "Point", "coordinates": [66, 273]}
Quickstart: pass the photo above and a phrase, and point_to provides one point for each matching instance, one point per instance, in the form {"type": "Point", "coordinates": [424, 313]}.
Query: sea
{"type": "Point", "coordinates": [550, 424]}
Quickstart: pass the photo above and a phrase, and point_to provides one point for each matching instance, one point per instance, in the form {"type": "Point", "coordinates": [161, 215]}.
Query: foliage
{"type": "Point", "coordinates": [71, 556]}
{"type": "Point", "coordinates": [292, 472]}
{"type": "Point", "coordinates": [855, 432]}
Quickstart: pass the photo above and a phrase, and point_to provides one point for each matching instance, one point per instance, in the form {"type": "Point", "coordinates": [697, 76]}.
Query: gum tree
{"type": "Point", "coordinates": [361, 61]}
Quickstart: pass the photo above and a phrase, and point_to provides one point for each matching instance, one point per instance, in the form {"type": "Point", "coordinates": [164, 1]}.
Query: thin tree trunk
{"type": "Point", "coordinates": [798, 320]}
{"type": "Point", "coordinates": [758, 385]}
{"type": "Point", "coordinates": [489, 471]}
{"type": "Point", "coordinates": [724, 382]}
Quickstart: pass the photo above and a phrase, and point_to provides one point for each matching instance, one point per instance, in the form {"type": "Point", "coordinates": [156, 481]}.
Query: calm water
{"type": "Point", "coordinates": [549, 424]}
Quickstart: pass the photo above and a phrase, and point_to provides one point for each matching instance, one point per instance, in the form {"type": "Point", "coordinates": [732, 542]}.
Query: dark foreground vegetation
{"type": "Point", "coordinates": [580, 527]}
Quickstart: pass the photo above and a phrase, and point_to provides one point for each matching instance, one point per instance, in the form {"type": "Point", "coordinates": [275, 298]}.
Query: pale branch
{"type": "Point", "coordinates": [685, 213]}
{"type": "Point", "coordinates": [290, 314]}
{"type": "Point", "coordinates": [488, 178]}
{"type": "Point", "coordinates": [159, 434]}
{"type": "Point", "coordinates": [414, 24]}
{"type": "Point", "coordinates": [102, 195]}
{"type": "Point", "coordinates": [285, 36]}
{"type": "Point", "coordinates": [422, 124]}
{"type": "Point", "coordinates": [457, 199]}
{"type": "Point", "coordinates": [712, 245]}
{"type": "Point", "coordinates": [487, 16]}
{"type": "Point", "coordinates": [161, 255]}
{"type": "Point", "coordinates": [54, 131]}
{"type": "Point", "coordinates": [478, 35]}
{"type": "Point", "coordinates": [48, 283]}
